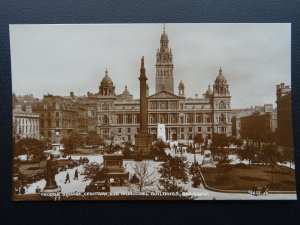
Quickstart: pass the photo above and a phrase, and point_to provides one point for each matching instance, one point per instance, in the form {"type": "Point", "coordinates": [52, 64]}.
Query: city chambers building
{"type": "Point", "coordinates": [118, 115]}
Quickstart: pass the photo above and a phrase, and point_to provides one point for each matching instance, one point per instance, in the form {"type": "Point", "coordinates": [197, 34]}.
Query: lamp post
{"type": "Point", "coordinates": [43, 140]}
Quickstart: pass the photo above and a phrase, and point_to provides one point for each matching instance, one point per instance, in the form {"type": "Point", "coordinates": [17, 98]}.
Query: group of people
{"type": "Point", "coordinates": [178, 149]}
{"type": "Point", "coordinates": [75, 176]}
{"type": "Point", "coordinates": [255, 190]}
{"type": "Point", "coordinates": [83, 160]}
{"type": "Point", "coordinates": [20, 190]}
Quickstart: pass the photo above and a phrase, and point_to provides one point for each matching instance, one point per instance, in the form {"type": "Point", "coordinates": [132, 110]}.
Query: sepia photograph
{"type": "Point", "coordinates": [153, 111]}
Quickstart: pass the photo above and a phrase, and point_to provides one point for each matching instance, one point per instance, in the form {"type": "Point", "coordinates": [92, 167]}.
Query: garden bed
{"type": "Point", "coordinates": [244, 178]}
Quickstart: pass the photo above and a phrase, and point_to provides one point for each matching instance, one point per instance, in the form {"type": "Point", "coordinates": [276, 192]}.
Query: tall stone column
{"type": "Point", "coordinates": [143, 139]}
{"type": "Point", "coordinates": [143, 99]}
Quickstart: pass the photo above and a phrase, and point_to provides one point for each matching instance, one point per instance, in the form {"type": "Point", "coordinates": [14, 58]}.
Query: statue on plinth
{"type": "Point", "coordinates": [50, 173]}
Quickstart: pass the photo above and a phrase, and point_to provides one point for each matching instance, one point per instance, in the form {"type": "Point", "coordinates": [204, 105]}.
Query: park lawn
{"type": "Point", "coordinates": [245, 178]}
{"type": "Point", "coordinates": [29, 169]}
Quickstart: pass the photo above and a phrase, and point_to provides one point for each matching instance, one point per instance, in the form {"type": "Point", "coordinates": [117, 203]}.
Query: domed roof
{"type": "Point", "coordinates": [220, 78]}
{"type": "Point", "coordinates": [106, 79]}
{"type": "Point", "coordinates": [181, 84]}
{"type": "Point", "coordinates": [126, 92]}
{"type": "Point", "coordinates": [164, 36]}
{"type": "Point", "coordinates": [209, 91]}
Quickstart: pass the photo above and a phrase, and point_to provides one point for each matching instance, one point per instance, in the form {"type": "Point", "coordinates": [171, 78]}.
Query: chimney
{"type": "Point", "coordinates": [72, 94]}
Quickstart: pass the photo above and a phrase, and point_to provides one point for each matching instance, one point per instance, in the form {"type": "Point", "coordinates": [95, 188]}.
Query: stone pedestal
{"type": "Point", "coordinates": [143, 142]}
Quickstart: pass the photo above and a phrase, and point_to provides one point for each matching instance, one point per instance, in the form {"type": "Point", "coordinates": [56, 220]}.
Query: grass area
{"type": "Point", "coordinates": [245, 178]}
{"type": "Point", "coordinates": [29, 169]}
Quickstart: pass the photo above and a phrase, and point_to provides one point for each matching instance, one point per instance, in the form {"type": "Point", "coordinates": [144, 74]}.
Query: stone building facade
{"type": "Point", "coordinates": [58, 117]}
{"type": "Point", "coordinates": [118, 115]}
{"type": "Point", "coordinates": [238, 114]}
{"type": "Point", "coordinates": [260, 126]}
{"type": "Point", "coordinates": [25, 123]}
{"type": "Point", "coordinates": [284, 111]}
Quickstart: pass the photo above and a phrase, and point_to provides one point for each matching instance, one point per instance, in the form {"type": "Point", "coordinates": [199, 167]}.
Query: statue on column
{"type": "Point", "coordinates": [50, 173]}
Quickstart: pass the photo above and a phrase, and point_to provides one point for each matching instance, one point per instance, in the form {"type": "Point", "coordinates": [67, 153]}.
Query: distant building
{"type": "Point", "coordinates": [260, 126]}
{"type": "Point", "coordinates": [58, 116]}
{"type": "Point", "coordinates": [284, 114]}
{"type": "Point", "coordinates": [237, 114]}
{"type": "Point", "coordinates": [25, 123]}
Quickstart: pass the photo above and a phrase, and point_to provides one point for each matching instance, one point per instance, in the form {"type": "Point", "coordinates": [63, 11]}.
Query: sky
{"type": "Point", "coordinates": [58, 59]}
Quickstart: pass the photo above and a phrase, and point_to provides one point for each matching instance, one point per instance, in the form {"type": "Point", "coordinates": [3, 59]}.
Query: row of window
{"type": "Point", "coordinates": [24, 129]}
{"type": "Point", "coordinates": [58, 114]}
{"type": "Point", "coordinates": [154, 118]}
{"type": "Point", "coordinates": [164, 105]}
{"type": "Point", "coordinates": [58, 106]}
{"type": "Point", "coordinates": [182, 130]}
{"type": "Point", "coordinates": [64, 123]}
{"type": "Point", "coordinates": [27, 121]}
{"type": "Point", "coordinates": [222, 105]}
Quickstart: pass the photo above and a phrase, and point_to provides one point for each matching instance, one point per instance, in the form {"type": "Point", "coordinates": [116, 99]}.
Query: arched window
{"type": "Point", "coordinates": [222, 105]}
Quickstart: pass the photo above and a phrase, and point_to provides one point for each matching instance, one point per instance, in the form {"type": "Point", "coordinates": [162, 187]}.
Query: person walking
{"type": "Point", "coordinates": [67, 178]}
{"type": "Point", "coordinates": [76, 175]}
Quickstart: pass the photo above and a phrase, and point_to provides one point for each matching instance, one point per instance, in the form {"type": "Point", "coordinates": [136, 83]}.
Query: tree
{"type": "Point", "coordinates": [30, 146]}
{"type": "Point", "coordinates": [144, 175]}
{"type": "Point", "coordinates": [173, 171]}
{"type": "Point", "coordinates": [198, 139]}
{"type": "Point", "coordinates": [93, 139]}
{"type": "Point", "coordinates": [218, 143]}
{"type": "Point", "coordinates": [128, 148]}
{"type": "Point", "coordinates": [271, 156]}
{"type": "Point", "coordinates": [248, 153]}
{"type": "Point", "coordinates": [91, 170]}
{"type": "Point", "coordinates": [158, 150]}
{"type": "Point", "coordinates": [288, 156]}
{"type": "Point", "coordinates": [224, 167]}
{"type": "Point", "coordinates": [239, 143]}
{"type": "Point", "coordinates": [72, 142]}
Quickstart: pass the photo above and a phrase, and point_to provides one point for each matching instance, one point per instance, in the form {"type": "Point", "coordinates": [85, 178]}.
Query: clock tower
{"type": "Point", "coordinates": [164, 66]}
